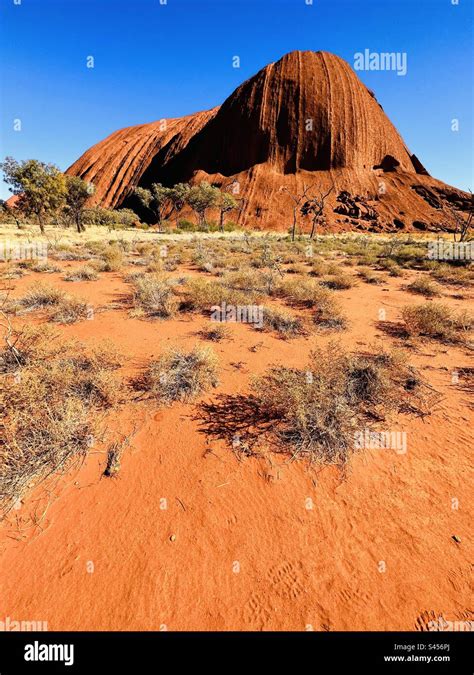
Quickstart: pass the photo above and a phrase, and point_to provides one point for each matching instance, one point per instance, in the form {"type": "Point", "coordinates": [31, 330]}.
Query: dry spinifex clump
{"type": "Point", "coordinates": [84, 273]}
{"type": "Point", "coordinates": [180, 376]}
{"type": "Point", "coordinates": [215, 332]}
{"type": "Point", "coordinates": [153, 297]}
{"type": "Point", "coordinates": [308, 293]}
{"type": "Point", "coordinates": [51, 394]}
{"type": "Point", "coordinates": [437, 321]}
{"type": "Point", "coordinates": [424, 286]}
{"type": "Point", "coordinates": [113, 258]}
{"type": "Point", "coordinates": [454, 275]}
{"type": "Point", "coordinates": [200, 295]}
{"type": "Point", "coordinates": [317, 409]}
{"type": "Point", "coordinates": [58, 305]}
{"type": "Point", "coordinates": [314, 412]}
{"type": "Point", "coordinates": [282, 322]}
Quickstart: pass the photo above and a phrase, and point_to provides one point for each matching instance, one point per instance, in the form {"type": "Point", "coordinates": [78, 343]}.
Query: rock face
{"type": "Point", "coordinates": [116, 164]}
{"type": "Point", "coordinates": [304, 120]}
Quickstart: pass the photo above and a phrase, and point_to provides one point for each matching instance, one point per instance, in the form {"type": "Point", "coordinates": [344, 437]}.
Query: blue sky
{"type": "Point", "coordinates": [157, 60]}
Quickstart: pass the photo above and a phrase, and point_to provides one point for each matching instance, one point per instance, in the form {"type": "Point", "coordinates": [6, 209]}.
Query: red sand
{"type": "Point", "coordinates": [237, 548]}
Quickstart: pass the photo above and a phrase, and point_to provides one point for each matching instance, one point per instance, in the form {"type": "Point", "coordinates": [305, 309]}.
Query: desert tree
{"type": "Point", "coordinates": [177, 196]}
{"type": "Point", "coordinates": [297, 199]}
{"type": "Point", "coordinates": [78, 192]}
{"type": "Point", "coordinates": [465, 227]}
{"type": "Point", "coordinates": [226, 202]}
{"type": "Point", "coordinates": [314, 207]}
{"type": "Point", "coordinates": [7, 211]}
{"type": "Point", "coordinates": [463, 231]}
{"type": "Point", "coordinates": [112, 219]}
{"type": "Point", "coordinates": [124, 218]}
{"type": "Point", "coordinates": [200, 198]}
{"type": "Point", "coordinates": [156, 199]}
{"type": "Point", "coordinates": [40, 187]}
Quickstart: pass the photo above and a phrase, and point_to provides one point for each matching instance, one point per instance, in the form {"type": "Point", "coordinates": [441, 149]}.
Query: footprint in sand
{"type": "Point", "coordinates": [424, 620]}
{"type": "Point", "coordinates": [287, 579]}
{"type": "Point", "coordinates": [355, 598]}
{"type": "Point", "coordinates": [256, 611]}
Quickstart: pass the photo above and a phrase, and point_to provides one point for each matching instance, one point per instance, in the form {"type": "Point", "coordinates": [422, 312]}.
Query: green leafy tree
{"type": "Point", "coordinates": [178, 195]}
{"type": "Point", "coordinates": [156, 200]}
{"type": "Point", "coordinates": [77, 194]}
{"type": "Point", "coordinates": [9, 213]}
{"type": "Point", "coordinates": [112, 219]}
{"type": "Point", "coordinates": [225, 203]}
{"type": "Point", "coordinates": [40, 187]}
{"type": "Point", "coordinates": [98, 216]}
{"type": "Point", "coordinates": [126, 218]}
{"type": "Point", "coordinates": [200, 198]}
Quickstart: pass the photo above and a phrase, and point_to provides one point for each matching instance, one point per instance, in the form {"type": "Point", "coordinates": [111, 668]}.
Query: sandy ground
{"type": "Point", "coordinates": [189, 537]}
